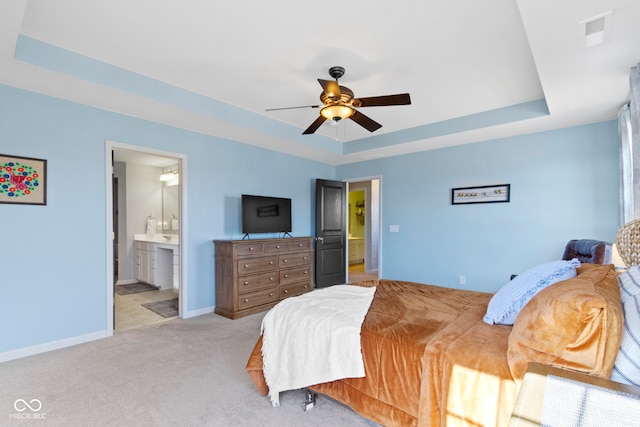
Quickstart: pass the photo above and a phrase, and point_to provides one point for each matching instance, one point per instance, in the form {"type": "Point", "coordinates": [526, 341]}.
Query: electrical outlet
{"type": "Point", "coordinates": [462, 280]}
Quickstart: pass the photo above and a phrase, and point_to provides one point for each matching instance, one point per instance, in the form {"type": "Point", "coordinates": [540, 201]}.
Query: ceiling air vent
{"type": "Point", "coordinates": [596, 30]}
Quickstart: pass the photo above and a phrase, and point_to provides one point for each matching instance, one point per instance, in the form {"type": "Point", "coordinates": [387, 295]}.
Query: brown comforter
{"type": "Point", "coordinates": [429, 360]}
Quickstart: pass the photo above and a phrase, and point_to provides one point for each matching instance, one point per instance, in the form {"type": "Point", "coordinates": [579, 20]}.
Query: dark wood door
{"type": "Point", "coordinates": [331, 199]}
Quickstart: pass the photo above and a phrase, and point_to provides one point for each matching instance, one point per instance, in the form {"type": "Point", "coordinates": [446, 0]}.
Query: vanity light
{"type": "Point", "coordinates": [168, 176]}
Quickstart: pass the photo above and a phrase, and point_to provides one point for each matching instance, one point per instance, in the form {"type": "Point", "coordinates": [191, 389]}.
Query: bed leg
{"type": "Point", "coordinates": [309, 399]}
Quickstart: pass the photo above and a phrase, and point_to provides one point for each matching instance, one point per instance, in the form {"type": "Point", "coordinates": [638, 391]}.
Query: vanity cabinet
{"type": "Point", "coordinates": [146, 262]}
{"type": "Point", "coordinates": [356, 250]}
{"type": "Point", "coordinates": [157, 264]}
{"type": "Point", "coordinates": [253, 275]}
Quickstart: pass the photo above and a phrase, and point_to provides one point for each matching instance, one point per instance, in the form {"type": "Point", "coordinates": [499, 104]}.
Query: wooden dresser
{"type": "Point", "coordinates": [253, 275]}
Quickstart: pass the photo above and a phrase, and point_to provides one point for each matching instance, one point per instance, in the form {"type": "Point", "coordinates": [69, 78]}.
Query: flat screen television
{"type": "Point", "coordinates": [262, 214]}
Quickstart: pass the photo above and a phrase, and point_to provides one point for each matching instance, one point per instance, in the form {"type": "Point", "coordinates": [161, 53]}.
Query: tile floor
{"type": "Point", "coordinates": [131, 314]}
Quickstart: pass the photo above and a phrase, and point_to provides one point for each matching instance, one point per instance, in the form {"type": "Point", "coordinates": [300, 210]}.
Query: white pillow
{"type": "Point", "coordinates": [629, 282]}
{"type": "Point", "coordinates": [627, 365]}
{"type": "Point", "coordinates": [509, 300]}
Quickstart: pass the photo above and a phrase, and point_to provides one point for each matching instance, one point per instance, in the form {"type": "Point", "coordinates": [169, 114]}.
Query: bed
{"type": "Point", "coordinates": [431, 360]}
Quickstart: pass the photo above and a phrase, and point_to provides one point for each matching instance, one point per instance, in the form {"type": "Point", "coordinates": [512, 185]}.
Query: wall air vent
{"type": "Point", "coordinates": [596, 30]}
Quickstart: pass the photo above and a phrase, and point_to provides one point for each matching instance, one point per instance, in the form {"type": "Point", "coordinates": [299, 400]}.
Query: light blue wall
{"type": "Point", "coordinates": [53, 258]}
{"type": "Point", "coordinates": [564, 185]}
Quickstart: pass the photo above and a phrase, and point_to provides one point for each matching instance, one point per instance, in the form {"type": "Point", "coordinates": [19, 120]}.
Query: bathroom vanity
{"type": "Point", "coordinates": [158, 260]}
{"type": "Point", "coordinates": [356, 250]}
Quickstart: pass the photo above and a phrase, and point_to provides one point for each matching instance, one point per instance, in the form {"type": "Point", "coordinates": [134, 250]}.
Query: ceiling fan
{"type": "Point", "coordinates": [339, 103]}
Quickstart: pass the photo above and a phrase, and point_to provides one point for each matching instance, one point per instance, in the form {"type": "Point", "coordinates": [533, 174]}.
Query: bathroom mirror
{"type": "Point", "coordinates": [170, 209]}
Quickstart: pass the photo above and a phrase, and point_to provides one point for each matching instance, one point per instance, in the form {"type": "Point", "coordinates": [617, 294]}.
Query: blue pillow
{"type": "Point", "coordinates": [626, 368]}
{"type": "Point", "coordinates": [629, 282]}
{"type": "Point", "coordinates": [508, 301]}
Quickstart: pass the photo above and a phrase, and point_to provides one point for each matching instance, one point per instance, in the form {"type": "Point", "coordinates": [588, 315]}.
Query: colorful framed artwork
{"type": "Point", "coordinates": [485, 194]}
{"type": "Point", "coordinates": [23, 180]}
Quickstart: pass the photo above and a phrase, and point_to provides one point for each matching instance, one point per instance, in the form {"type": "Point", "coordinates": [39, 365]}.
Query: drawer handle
{"type": "Point", "coordinates": [299, 245]}
{"type": "Point", "coordinates": [251, 249]}
{"type": "Point", "coordinates": [270, 262]}
{"type": "Point", "coordinates": [305, 258]}
{"type": "Point", "coordinates": [246, 283]}
{"type": "Point", "coordinates": [284, 260]}
{"type": "Point", "coordinates": [271, 278]}
{"type": "Point", "coordinates": [271, 294]}
{"type": "Point", "coordinates": [306, 272]}
{"type": "Point", "coordinates": [286, 275]}
{"type": "Point", "coordinates": [306, 286]}
{"type": "Point", "coordinates": [246, 266]}
{"type": "Point", "coordinates": [277, 246]}
{"type": "Point", "coordinates": [286, 291]}
{"type": "Point", "coordinates": [246, 300]}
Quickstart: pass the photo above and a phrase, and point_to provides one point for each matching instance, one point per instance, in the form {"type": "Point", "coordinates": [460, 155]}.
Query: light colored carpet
{"type": "Point", "coordinates": [176, 373]}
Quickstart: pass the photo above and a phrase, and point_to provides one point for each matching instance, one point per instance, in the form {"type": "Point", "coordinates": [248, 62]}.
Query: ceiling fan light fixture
{"type": "Point", "coordinates": [339, 103]}
{"type": "Point", "coordinates": [337, 112]}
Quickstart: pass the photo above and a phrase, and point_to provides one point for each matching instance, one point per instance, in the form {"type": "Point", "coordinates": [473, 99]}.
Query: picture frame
{"type": "Point", "coordinates": [484, 194]}
{"type": "Point", "coordinates": [23, 180]}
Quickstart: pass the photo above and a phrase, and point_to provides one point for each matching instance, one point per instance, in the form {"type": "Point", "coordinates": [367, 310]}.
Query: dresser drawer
{"type": "Point", "coordinates": [288, 246]}
{"type": "Point", "coordinates": [294, 289]}
{"type": "Point", "coordinates": [276, 247]}
{"type": "Point", "coordinates": [257, 281]}
{"type": "Point", "coordinates": [256, 298]}
{"type": "Point", "coordinates": [294, 275]}
{"type": "Point", "coordinates": [288, 260]}
{"type": "Point", "coordinates": [242, 249]}
{"type": "Point", "coordinates": [302, 245]}
{"type": "Point", "coordinates": [255, 265]}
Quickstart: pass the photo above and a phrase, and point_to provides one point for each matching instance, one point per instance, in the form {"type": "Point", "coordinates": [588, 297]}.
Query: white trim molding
{"type": "Point", "coordinates": [53, 345]}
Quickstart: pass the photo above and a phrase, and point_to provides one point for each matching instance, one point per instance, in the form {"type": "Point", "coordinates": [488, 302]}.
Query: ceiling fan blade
{"type": "Point", "coordinates": [292, 108]}
{"type": "Point", "coordinates": [381, 101]}
{"type": "Point", "coordinates": [315, 125]}
{"type": "Point", "coordinates": [331, 88]}
{"type": "Point", "coordinates": [364, 121]}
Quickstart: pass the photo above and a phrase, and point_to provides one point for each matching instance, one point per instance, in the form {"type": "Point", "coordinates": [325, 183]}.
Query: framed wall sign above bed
{"type": "Point", "coordinates": [484, 194]}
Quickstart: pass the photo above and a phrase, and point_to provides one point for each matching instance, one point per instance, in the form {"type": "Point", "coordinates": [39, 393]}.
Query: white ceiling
{"type": "Point", "coordinates": [455, 57]}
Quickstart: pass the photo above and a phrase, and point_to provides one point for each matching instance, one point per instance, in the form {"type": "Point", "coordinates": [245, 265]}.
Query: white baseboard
{"type": "Point", "coordinates": [199, 312]}
{"type": "Point", "coordinates": [68, 342]}
{"type": "Point", "coordinates": [53, 345]}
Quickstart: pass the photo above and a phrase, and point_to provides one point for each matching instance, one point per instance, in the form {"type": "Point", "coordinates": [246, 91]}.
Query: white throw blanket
{"type": "Point", "coordinates": [314, 338]}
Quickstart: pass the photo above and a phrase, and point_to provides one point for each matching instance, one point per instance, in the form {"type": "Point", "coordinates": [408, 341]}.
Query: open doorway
{"type": "Point", "coordinates": [363, 199]}
{"type": "Point", "coordinates": [147, 207]}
